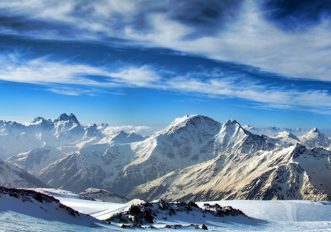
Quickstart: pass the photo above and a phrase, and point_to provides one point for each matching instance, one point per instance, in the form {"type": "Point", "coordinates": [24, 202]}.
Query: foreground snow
{"type": "Point", "coordinates": [273, 216]}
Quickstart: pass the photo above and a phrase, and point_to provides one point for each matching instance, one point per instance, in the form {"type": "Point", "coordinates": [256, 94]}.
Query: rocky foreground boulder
{"type": "Point", "coordinates": [167, 214]}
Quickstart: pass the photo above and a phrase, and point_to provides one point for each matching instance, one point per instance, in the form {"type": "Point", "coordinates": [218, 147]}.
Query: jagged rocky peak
{"type": "Point", "coordinates": [315, 130]}
{"type": "Point", "coordinates": [298, 149]}
{"type": "Point", "coordinates": [192, 122]}
{"type": "Point", "coordinates": [231, 132]}
{"type": "Point", "coordinates": [65, 117]}
{"type": "Point", "coordinates": [315, 138]}
{"type": "Point", "coordinates": [92, 130]}
{"type": "Point", "coordinates": [40, 121]}
{"type": "Point", "coordinates": [233, 123]}
{"type": "Point", "coordinates": [232, 127]}
{"type": "Point", "coordinates": [233, 137]}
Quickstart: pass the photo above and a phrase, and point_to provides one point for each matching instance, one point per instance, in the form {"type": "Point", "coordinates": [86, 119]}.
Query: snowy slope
{"type": "Point", "coordinates": [194, 157]}
{"type": "Point", "coordinates": [94, 165]}
{"type": "Point", "coordinates": [285, 138]}
{"type": "Point", "coordinates": [186, 141]}
{"type": "Point", "coordinates": [102, 195]}
{"type": "Point", "coordinates": [36, 159]}
{"type": "Point", "coordinates": [120, 167]}
{"type": "Point", "coordinates": [297, 216]}
{"type": "Point", "coordinates": [314, 138]}
{"type": "Point", "coordinates": [98, 209]}
{"type": "Point", "coordinates": [283, 173]}
{"type": "Point", "coordinates": [234, 138]}
{"type": "Point", "coordinates": [273, 215]}
{"type": "Point", "coordinates": [120, 137]}
{"type": "Point", "coordinates": [198, 158]}
{"type": "Point", "coordinates": [41, 206]}
{"type": "Point", "coordinates": [12, 176]}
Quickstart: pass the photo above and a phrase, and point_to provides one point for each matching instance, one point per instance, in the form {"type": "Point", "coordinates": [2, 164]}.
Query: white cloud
{"type": "Point", "coordinates": [248, 39]}
{"type": "Point", "coordinates": [72, 79]}
{"type": "Point", "coordinates": [70, 91]}
{"type": "Point", "coordinates": [252, 40]}
{"type": "Point", "coordinates": [309, 100]}
{"type": "Point", "coordinates": [137, 76]}
{"type": "Point", "coordinates": [139, 129]}
{"type": "Point", "coordinates": [42, 71]}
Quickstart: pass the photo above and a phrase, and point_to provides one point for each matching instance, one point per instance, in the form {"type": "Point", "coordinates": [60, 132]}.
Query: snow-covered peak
{"type": "Point", "coordinates": [314, 130]}
{"type": "Point", "coordinates": [232, 124]}
{"type": "Point", "coordinates": [286, 138]}
{"type": "Point", "coordinates": [315, 138]}
{"type": "Point", "coordinates": [42, 122]}
{"type": "Point", "coordinates": [195, 122]}
{"type": "Point", "coordinates": [231, 134]}
{"type": "Point", "coordinates": [92, 131]}
{"type": "Point", "coordinates": [232, 130]}
{"type": "Point", "coordinates": [68, 127]}
{"type": "Point", "coordinates": [67, 118]}
{"type": "Point", "coordinates": [125, 137]}
{"type": "Point", "coordinates": [232, 137]}
{"type": "Point", "coordinates": [286, 134]}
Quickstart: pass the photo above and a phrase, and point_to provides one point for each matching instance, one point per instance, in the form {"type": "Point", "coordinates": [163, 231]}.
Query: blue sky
{"type": "Point", "coordinates": [144, 62]}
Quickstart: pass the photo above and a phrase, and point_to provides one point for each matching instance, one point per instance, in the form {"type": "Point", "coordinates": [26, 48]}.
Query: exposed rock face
{"type": "Point", "coordinates": [150, 213]}
{"type": "Point", "coordinates": [285, 173]}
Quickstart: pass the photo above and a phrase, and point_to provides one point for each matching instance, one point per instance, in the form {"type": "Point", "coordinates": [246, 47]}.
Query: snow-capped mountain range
{"type": "Point", "coordinates": [194, 158]}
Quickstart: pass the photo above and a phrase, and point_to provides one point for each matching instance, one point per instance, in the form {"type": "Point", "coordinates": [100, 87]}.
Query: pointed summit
{"type": "Point", "coordinates": [192, 122]}
{"type": "Point", "coordinates": [315, 138]}
{"type": "Point", "coordinates": [233, 127]}
{"type": "Point", "coordinates": [231, 133]}
{"type": "Point", "coordinates": [232, 122]}
{"type": "Point", "coordinates": [37, 120]}
{"type": "Point", "coordinates": [233, 137]}
{"type": "Point", "coordinates": [125, 137]}
{"type": "Point", "coordinates": [65, 117]}
{"type": "Point", "coordinates": [298, 149]}
{"type": "Point", "coordinates": [42, 122]}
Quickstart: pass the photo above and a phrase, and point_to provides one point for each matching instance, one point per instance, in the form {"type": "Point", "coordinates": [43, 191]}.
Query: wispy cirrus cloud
{"type": "Point", "coordinates": [277, 36]}
{"type": "Point", "coordinates": [75, 79]}
{"type": "Point", "coordinates": [44, 71]}
{"type": "Point", "coordinates": [71, 91]}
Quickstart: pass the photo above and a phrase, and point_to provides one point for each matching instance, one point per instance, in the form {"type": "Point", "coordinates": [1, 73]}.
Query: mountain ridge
{"type": "Point", "coordinates": [193, 158]}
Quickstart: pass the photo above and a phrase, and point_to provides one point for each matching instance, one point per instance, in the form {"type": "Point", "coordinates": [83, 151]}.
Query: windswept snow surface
{"type": "Point", "coordinates": [98, 209]}
{"type": "Point", "coordinates": [274, 216]}
{"type": "Point", "coordinates": [280, 215]}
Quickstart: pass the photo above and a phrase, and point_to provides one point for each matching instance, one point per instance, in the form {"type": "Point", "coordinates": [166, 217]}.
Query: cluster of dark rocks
{"type": "Point", "coordinates": [30, 196]}
{"type": "Point", "coordinates": [222, 211]}
{"type": "Point", "coordinates": [146, 214]}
